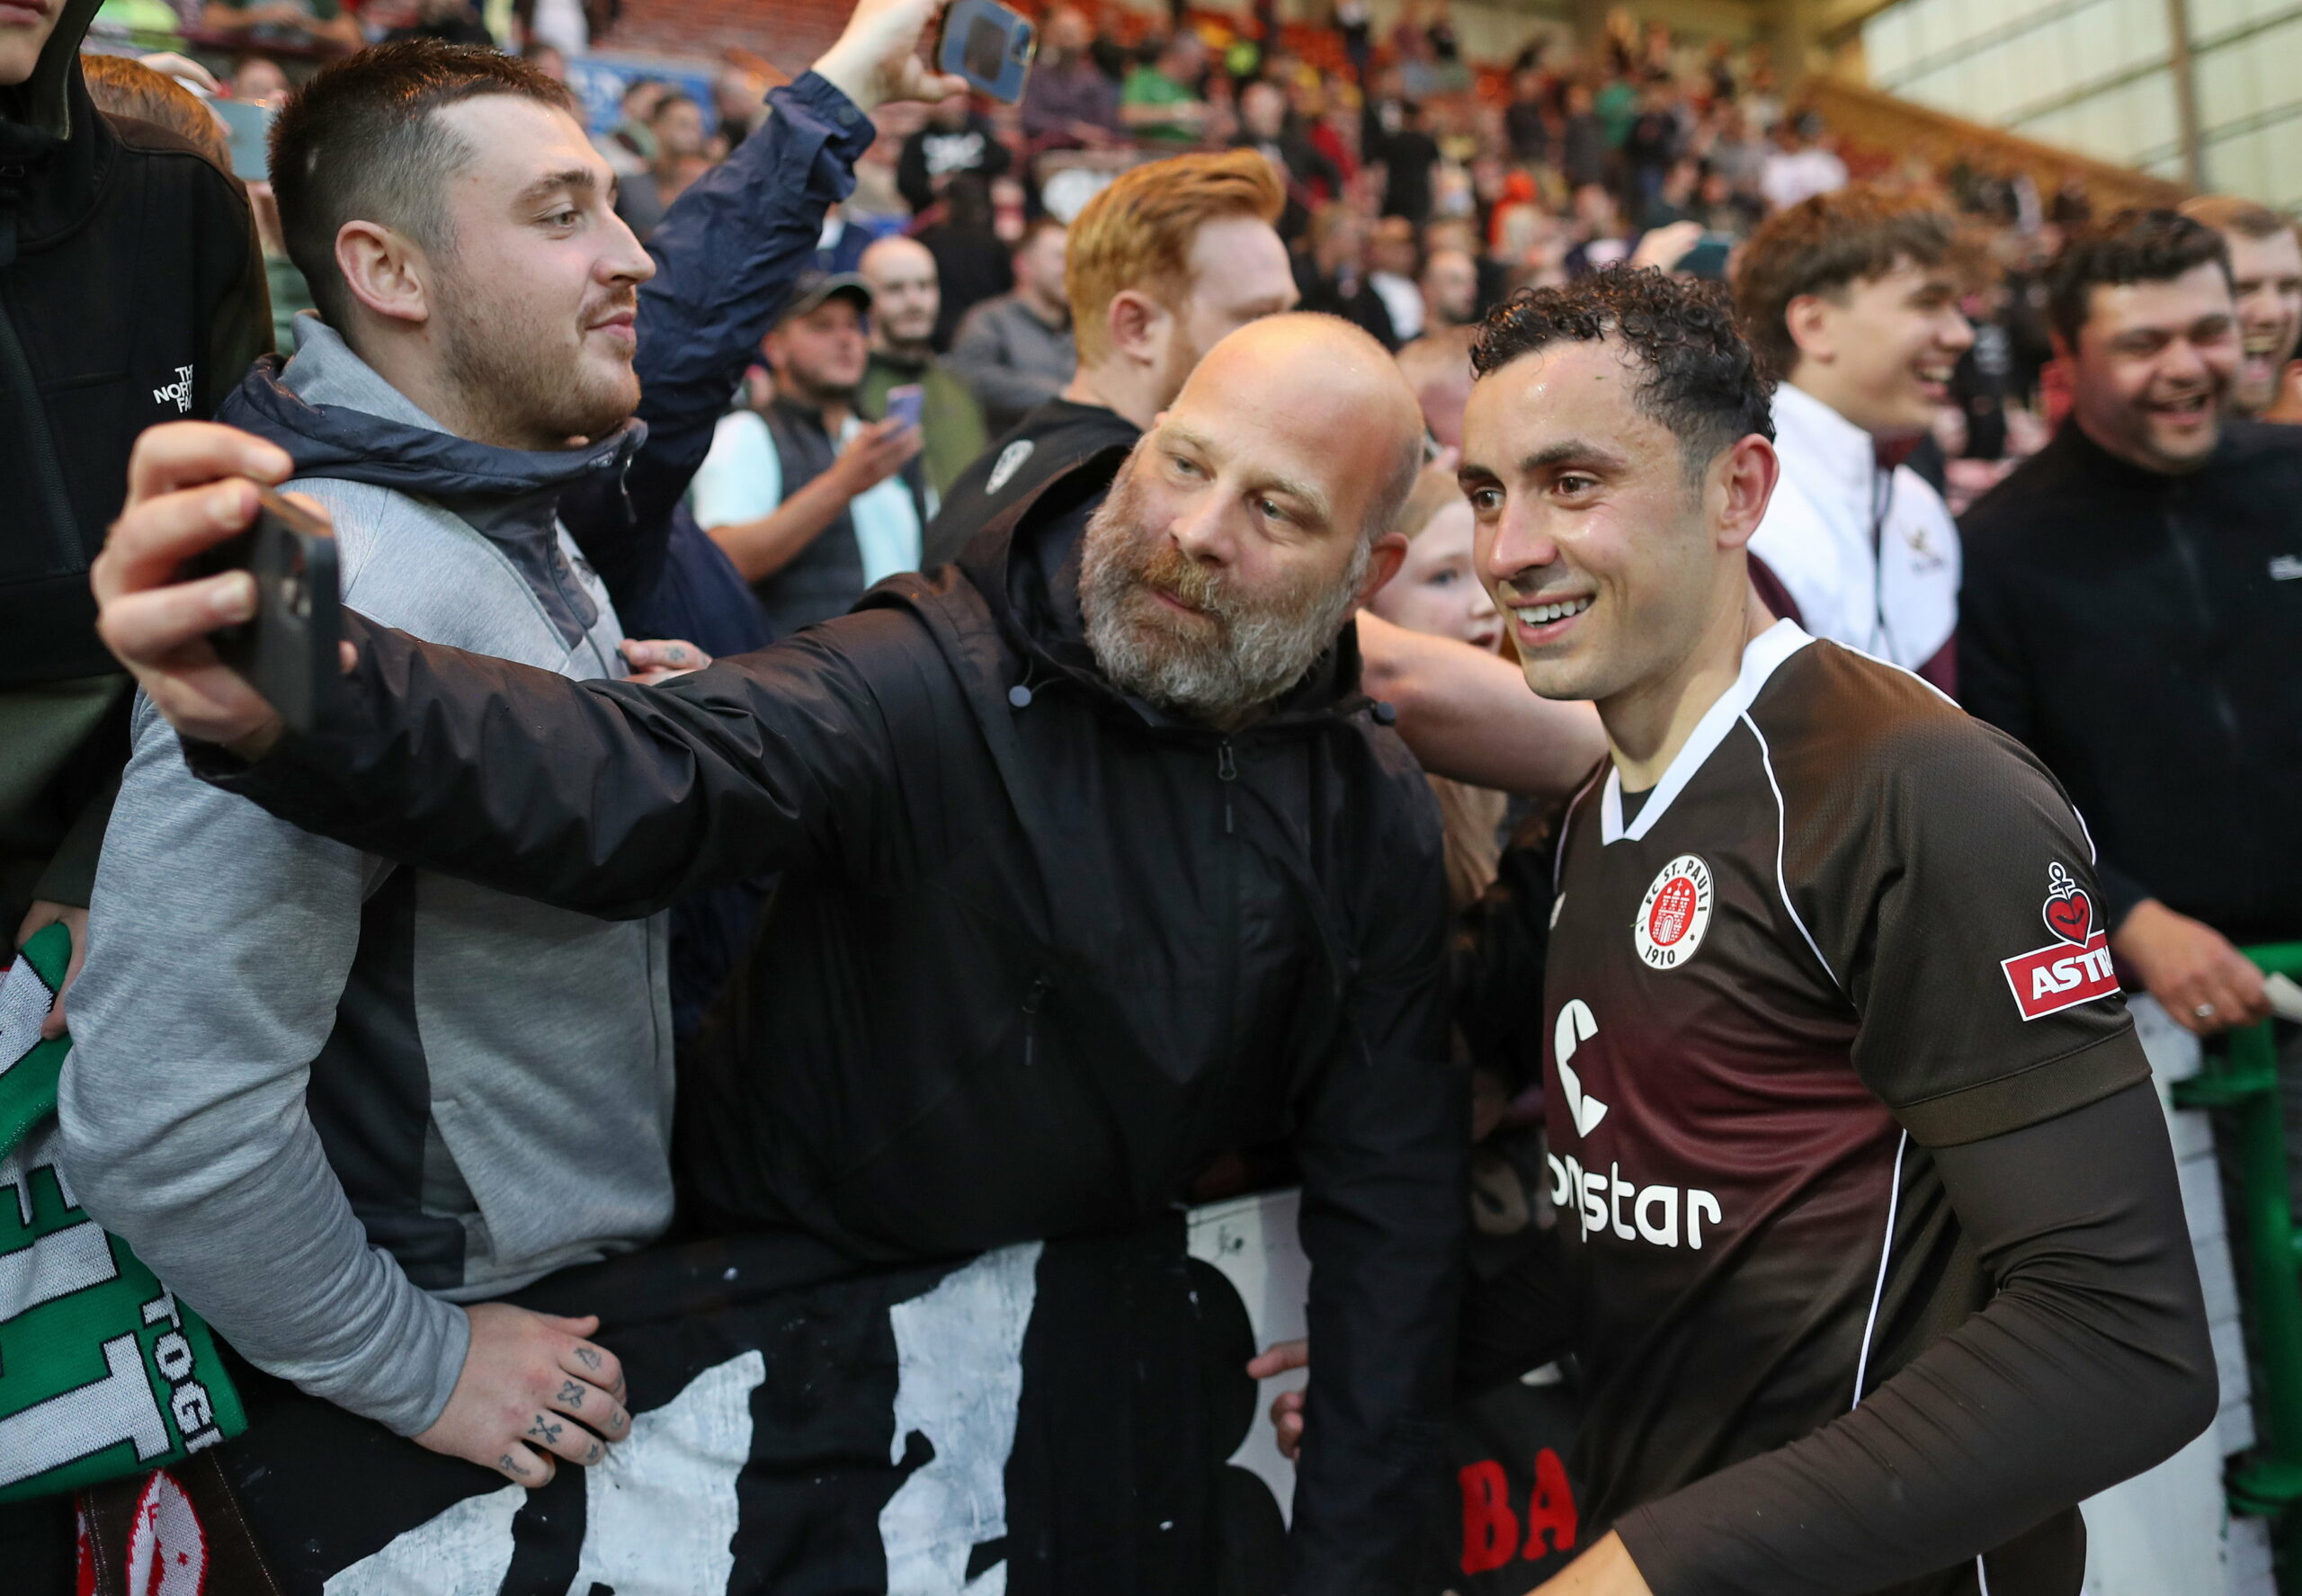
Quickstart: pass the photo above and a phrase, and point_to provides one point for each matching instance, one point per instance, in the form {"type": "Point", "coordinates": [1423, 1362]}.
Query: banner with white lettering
{"type": "Point", "coordinates": [102, 1371]}
{"type": "Point", "coordinates": [1042, 1419]}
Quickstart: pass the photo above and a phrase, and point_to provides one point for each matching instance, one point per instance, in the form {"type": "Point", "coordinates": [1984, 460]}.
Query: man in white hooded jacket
{"type": "Point", "coordinates": [1852, 298]}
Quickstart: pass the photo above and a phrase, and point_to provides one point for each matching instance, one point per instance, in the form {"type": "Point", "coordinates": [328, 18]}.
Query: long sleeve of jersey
{"type": "Point", "coordinates": [2089, 1363]}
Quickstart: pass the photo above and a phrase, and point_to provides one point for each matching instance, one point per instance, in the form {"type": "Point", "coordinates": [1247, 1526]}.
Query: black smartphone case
{"type": "Point", "coordinates": [288, 652]}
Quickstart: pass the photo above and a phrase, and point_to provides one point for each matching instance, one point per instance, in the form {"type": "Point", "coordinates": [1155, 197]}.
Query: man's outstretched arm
{"type": "Point", "coordinates": [607, 798]}
{"type": "Point", "coordinates": [1470, 714]}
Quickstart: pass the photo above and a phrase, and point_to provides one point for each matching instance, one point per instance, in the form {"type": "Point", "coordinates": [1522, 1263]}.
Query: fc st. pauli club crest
{"type": "Point", "coordinates": [1676, 913]}
{"type": "Point", "coordinates": [2072, 970]}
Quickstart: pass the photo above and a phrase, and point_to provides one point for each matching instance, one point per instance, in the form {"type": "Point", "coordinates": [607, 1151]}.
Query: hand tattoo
{"type": "Point", "coordinates": [509, 1465]}
{"type": "Point", "coordinates": [593, 1455]}
{"type": "Point", "coordinates": [571, 1392]}
{"type": "Point", "coordinates": [588, 1357]}
{"type": "Point", "coordinates": [544, 1430]}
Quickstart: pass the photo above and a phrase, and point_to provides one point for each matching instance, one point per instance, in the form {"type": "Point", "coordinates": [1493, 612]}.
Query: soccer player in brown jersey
{"type": "Point", "coordinates": [1876, 1260]}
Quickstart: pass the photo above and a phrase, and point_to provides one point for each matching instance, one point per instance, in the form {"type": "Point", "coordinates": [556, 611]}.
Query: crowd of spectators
{"type": "Point", "coordinates": [1422, 189]}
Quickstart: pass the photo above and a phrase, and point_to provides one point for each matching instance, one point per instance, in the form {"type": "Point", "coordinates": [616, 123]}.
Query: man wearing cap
{"type": "Point", "coordinates": [810, 502]}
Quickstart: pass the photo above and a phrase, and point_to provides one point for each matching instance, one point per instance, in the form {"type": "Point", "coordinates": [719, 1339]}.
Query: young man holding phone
{"type": "Point", "coordinates": [401, 1096]}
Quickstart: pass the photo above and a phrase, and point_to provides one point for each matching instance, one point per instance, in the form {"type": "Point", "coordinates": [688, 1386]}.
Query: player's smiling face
{"type": "Point", "coordinates": [1598, 548]}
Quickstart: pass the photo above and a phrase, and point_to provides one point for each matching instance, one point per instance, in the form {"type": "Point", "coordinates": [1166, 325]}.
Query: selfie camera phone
{"type": "Point", "coordinates": [288, 651]}
{"type": "Point", "coordinates": [907, 404]}
{"type": "Point", "coordinates": [988, 45]}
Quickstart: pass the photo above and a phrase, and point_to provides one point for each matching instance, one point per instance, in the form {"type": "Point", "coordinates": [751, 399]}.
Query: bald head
{"type": "Point", "coordinates": [1258, 511]}
{"type": "Point", "coordinates": [904, 296]}
{"type": "Point", "coordinates": [1322, 394]}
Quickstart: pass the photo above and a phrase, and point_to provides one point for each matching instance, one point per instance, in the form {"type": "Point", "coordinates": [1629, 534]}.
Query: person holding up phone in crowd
{"type": "Point", "coordinates": [907, 296]}
{"type": "Point", "coordinates": [810, 502]}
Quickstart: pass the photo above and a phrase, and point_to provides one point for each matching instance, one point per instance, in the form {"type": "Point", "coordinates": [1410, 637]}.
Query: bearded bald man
{"type": "Point", "coordinates": [1095, 865]}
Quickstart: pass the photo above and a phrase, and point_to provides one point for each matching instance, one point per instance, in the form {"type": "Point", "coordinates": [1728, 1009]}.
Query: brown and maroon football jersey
{"type": "Point", "coordinates": [1849, 924]}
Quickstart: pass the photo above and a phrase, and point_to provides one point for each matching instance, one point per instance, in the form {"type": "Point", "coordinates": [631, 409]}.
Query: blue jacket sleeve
{"type": "Point", "coordinates": [726, 256]}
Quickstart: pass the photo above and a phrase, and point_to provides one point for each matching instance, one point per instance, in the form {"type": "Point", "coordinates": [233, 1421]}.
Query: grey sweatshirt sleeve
{"type": "Point", "coordinates": [219, 942]}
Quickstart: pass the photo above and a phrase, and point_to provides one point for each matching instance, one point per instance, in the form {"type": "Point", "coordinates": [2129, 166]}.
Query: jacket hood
{"type": "Point", "coordinates": [1025, 565]}
{"type": "Point", "coordinates": [44, 102]}
{"type": "Point", "coordinates": [337, 418]}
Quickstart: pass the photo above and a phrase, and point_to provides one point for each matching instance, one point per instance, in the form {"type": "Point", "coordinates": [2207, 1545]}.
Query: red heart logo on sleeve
{"type": "Point", "coordinates": [2071, 918]}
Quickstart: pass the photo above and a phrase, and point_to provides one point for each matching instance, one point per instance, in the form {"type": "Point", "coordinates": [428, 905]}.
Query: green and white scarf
{"type": "Point", "coordinates": [102, 1371]}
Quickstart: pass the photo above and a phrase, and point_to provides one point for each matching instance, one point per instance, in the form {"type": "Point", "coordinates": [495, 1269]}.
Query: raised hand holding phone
{"type": "Point", "coordinates": [989, 45]}
{"type": "Point", "coordinates": [287, 651]}
{"type": "Point", "coordinates": [191, 486]}
{"type": "Point", "coordinates": [877, 60]}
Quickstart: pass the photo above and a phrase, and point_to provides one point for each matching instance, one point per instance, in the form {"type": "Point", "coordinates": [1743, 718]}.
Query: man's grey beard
{"type": "Point", "coordinates": [1238, 655]}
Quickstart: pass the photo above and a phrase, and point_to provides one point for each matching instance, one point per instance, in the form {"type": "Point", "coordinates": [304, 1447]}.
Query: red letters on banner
{"type": "Point", "coordinates": [1490, 1526]}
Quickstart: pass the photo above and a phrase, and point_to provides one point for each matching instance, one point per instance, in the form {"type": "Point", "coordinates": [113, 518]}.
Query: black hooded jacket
{"type": "Point", "coordinates": [1038, 952]}
{"type": "Point", "coordinates": [131, 291]}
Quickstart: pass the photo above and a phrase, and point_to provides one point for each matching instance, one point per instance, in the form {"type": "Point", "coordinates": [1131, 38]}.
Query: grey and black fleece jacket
{"type": "Point", "coordinates": [326, 1097]}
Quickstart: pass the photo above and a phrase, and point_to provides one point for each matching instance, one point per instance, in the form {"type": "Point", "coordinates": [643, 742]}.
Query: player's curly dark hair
{"type": "Point", "coordinates": [1700, 379]}
{"type": "Point", "coordinates": [2137, 244]}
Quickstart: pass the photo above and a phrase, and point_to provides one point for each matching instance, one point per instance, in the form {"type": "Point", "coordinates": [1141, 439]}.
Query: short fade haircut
{"type": "Point", "coordinates": [2137, 244]}
{"type": "Point", "coordinates": [1696, 377]}
{"type": "Point", "coordinates": [2227, 213]}
{"type": "Point", "coordinates": [1137, 233]}
{"type": "Point", "coordinates": [361, 142]}
{"type": "Point", "coordinates": [1825, 245]}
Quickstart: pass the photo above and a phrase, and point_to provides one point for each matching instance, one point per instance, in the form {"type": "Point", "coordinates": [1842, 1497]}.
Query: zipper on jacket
{"type": "Point", "coordinates": [2186, 552]}
{"type": "Point", "coordinates": [16, 371]}
{"type": "Point", "coordinates": [1031, 1001]}
{"type": "Point", "coordinates": [1226, 771]}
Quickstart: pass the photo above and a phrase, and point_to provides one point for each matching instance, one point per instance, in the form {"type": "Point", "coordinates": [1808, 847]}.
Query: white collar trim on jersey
{"type": "Point", "coordinates": [1761, 656]}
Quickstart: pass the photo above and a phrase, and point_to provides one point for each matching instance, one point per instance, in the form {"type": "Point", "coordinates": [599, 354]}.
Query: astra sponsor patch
{"type": "Point", "coordinates": [2074, 968]}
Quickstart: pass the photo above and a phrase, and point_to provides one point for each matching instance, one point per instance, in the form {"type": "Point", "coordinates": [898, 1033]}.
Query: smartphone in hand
{"type": "Point", "coordinates": [988, 45]}
{"type": "Point", "coordinates": [288, 652]}
{"type": "Point", "coordinates": [907, 404]}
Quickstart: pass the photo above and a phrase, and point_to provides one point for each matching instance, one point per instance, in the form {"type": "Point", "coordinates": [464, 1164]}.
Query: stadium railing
{"type": "Point", "coordinates": [2242, 1078]}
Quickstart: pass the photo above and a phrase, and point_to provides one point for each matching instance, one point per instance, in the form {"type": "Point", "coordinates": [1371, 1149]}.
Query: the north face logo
{"type": "Point", "coordinates": [177, 393]}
